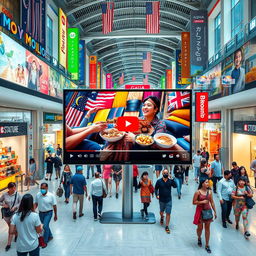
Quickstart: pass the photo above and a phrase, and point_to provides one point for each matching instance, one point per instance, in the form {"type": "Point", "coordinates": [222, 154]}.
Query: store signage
{"type": "Point", "coordinates": [73, 52]}
{"type": "Point", "coordinates": [52, 117]}
{"type": "Point", "coordinates": [168, 78]}
{"type": "Point", "coordinates": [214, 116]}
{"type": "Point", "coordinates": [245, 127]}
{"type": "Point", "coordinates": [13, 129]}
{"type": "Point", "coordinates": [98, 75]}
{"type": "Point", "coordinates": [137, 86]}
{"type": "Point", "coordinates": [178, 68]}
{"type": "Point", "coordinates": [201, 106]}
{"type": "Point", "coordinates": [109, 81]}
{"type": "Point", "coordinates": [17, 31]}
{"type": "Point", "coordinates": [63, 24]}
{"type": "Point", "coordinates": [5, 11]}
{"type": "Point", "coordinates": [93, 72]}
{"type": "Point", "coordinates": [82, 62]}
{"type": "Point", "coordinates": [185, 58]}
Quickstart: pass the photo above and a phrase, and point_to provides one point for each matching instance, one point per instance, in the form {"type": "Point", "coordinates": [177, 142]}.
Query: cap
{"type": "Point", "coordinates": [79, 168]}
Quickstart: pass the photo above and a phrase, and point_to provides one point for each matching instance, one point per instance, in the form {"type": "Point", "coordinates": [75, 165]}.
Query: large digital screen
{"type": "Point", "coordinates": [127, 126]}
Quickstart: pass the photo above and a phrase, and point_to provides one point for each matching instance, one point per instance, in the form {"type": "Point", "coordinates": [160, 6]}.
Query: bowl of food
{"type": "Point", "coordinates": [112, 135]}
{"type": "Point", "coordinates": [144, 140]}
{"type": "Point", "coordinates": [165, 140]}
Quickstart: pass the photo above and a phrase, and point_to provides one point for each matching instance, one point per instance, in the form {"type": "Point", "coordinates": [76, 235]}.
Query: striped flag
{"type": "Point", "coordinates": [153, 17]}
{"type": "Point", "coordinates": [146, 62]}
{"type": "Point", "coordinates": [121, 78]}
{"type": "Point", "coordinates": [100, 100]}
{"type": "Point", "coordinates": [177, 100]}
{"type": "Point", "coordinates": [133, 78]}
{"type": "Point", "coordinates": [107, 17]}
{"type": "Point", "coordinates": [145, 79]}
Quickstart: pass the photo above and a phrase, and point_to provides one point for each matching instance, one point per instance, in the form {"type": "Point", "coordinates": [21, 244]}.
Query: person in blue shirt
{"type": "Point", "coordinates": [216, 170]}
{"type": "Point", "coordinates": [78, 188]}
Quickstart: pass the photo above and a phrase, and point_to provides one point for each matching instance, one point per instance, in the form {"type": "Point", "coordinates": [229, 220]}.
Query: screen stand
{"type": "Point", "coordinates": [127, 216]}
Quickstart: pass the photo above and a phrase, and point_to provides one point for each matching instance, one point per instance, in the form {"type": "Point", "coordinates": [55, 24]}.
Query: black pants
{"type": "Point", "coordinates": [215, 180]}
{"type": "Point", "coordinates": [97, 205]}
{"type": "Point", "coordinates": [145, 208]}
{"type": "Point", "coordinates": [225, 210]}
{"type": "Point", "coordinates": [135, 183]}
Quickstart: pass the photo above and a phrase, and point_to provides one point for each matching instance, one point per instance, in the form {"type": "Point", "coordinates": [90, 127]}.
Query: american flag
{"type": "Point", "coordinates": [146, 62]}
{"type": "Point", "coordinates": [177, 100]}
{"type": "Point", "coordinates": [76, 111]}
{"type": "Point", "coordinates": [101, 100]}
{"type": "Point", "coordinates": [121, 78]}
{"type": "Point", "coordinates": [153, 17]}
{"type": "Point", "coordinates": [107, 17]}
{"type": "Point", "coordinates": [145, 79]}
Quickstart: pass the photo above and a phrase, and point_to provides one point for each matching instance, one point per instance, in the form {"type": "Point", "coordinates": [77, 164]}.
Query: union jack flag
{"type": "Point", "coordinates": [177, 100]}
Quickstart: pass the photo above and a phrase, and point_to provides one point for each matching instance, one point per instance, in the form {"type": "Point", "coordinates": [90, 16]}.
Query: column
{"type": "Point", "coordinates": [127, 196]}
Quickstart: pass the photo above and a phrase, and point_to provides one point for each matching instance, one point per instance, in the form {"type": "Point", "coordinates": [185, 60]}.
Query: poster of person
{"type": "Point", "coordinates": [55, 89]}
{"type": "Point", "coordinates": [214, 76]}
{"type": "Point", "coordinates": [12, 60]}
{"type": "Point", "coordinates": [37, 73]}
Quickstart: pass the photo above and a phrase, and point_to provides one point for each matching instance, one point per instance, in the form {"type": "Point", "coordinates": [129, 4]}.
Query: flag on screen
{"type": "Point", "coordinates": [101, 100]}
{"type": "Point", "coordinates": [133, 78]}
{"type": "Point", "coordinates": [177, 100]}
{"type": "Point", "coordinates": [145, 79]}
{"type": "Point", "coordinates": [146, 62]}
{"type": "Point", "coordinates": [121, 78]}
{"type": "Point", "coordinates": [107, 17]}
{"type": "Point", "coordinates": [153, 17]}
{"type": "Point", "coordinates": [76, 111]}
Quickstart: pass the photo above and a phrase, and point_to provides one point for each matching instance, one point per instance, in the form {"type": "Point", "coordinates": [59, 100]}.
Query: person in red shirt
{"type": "Point", "coordinates": [135, 175]}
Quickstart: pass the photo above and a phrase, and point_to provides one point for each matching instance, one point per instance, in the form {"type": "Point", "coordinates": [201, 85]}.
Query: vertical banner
{"type": "Point", "coordinates": [93, 72]}
{"type": "Point", "coordinates": [199, 40]}
{"type": "Point", "coordinates": [185, 58]}
{"type": "Point", "coordinates": [178, 68]}
{"type": "Point", "coordinates": [63, 38]}
{"type": "Point", "coordinates": [163, 82]}
{"type": "Point", "coordinates": [73, 53]}
{"type": "Point", "coordinates": [33, 17]}
{"type": "Point", "coordinates": [108, 81]}
{"type": "Point", "coordinates": [99, 75]}
{"type": "Point", "coordinates": [202, 107]}
{"type": "Point", "coordinates": [82, 62]}
{"type": "Point", "coordinates": [173, 74]}
{"type": "Point", "coordinates": [168, 79]}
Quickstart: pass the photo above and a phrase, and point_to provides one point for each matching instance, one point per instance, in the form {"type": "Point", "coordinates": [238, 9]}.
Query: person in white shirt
{"type": "Point", "coordinates": [96, 193]}
{"type": "Point", "coordinates": [224, 189]}
{"type": "Point", "coordinates": [196, 163]}
{"type": "Point", "coordinates": [46, 203]}
{"type": "Point", "coordinates": [28, 225]}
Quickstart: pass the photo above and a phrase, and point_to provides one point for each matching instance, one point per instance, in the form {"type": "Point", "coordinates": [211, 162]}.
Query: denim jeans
{"type": "Point", "coordinates": [226, 210]}
{"type": "Point", "coordinates": [67, 190]}
{"type": "Point", "coordinates": [97, 205]}
{"type": "Point", "coordinates": [179, 185]}
{"type": "Point", "coordinates": [45, 218]}
{"type": "Point", "coordinates": [196, 172]}
{"type": "Point", "coordinates": [35, 252]}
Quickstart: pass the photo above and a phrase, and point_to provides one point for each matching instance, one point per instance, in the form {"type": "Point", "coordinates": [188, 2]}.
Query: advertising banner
{"type": "Point", "coordinates": [178, 68]}
{"type": "Point", "coordinates": [168, 78]}
{"type": "Point", "coordinates": [137, 86]}
{"type": "Point", "coordinates": [55, 88]}
{"type": "Point", "coordinates": [63, 24]}
{"type": "Point", "coordinates": [108, 81]}
{"type": "Point", "coordinates": [162, 82]}
{"type": "Point", "coordinates": [201, 106]}
{"type": "Point", "coordinates": [37, 72]}
{"type": "Point", "coordinates": [93, 72]}
{"type": "Point", "coordinates": [73, 52]}
{"type": "Point", "coordinates": [33, 17]}
{"type": "Point", "coordinates": [173, 74]}
{"type": "Point", "coordinates": [199, 40]}
{"type": "Point", "coordinates": [82, 62]}
{"type": "Point", "coordinates": [185, 58]}
{"type": "Point", "coordinates": [99, 75]}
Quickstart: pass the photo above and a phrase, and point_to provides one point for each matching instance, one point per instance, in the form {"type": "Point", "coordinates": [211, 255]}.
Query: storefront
{"type": "Point", "coordinates": [13, 151]}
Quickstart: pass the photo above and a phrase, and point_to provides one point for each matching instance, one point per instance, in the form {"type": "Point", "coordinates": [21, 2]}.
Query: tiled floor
{"type": "Point", "coordinates": [86, 237]}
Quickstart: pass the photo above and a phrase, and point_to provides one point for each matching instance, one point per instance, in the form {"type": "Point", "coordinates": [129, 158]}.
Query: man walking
{"type": "Point", "coordinates": [59, 151]}
{"type": "Point", "coordinates": [224, 189]}
{"type": "Point", "coordinates": [46, 203]}
{"type": "Point", "coordinates": [163, 189]}
{"type": "Point", "coordinates": [234, 170]}
{"type": "Point", "coordinates": [196, 163]}
{"type": "Point", "coordinates": [217, 170]}
{"type": "Point", "coordinates": [78, 188]}
{"type": "Point", "coordinates": [97, 188]}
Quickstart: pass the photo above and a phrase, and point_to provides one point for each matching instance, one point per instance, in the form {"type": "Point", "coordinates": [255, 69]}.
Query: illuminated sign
{"type": "Point", "coordinates": [201, 107]}
{"type": "Point", "coordinates": [73, 52]}
{"type": "Point", "coordinates": [62, 38]}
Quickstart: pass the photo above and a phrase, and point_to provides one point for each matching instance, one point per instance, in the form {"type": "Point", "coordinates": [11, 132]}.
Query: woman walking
{"type": "Point", "coordinates": [179, 177]}
{"type": "Point", "coordinates": [240, 208]}
{"type": "Point", "coordinates": [107, 176]}
{"type": "Point", "coordinates": [205, 173]}
{"type": "Point", "coordinates": [28, 225]}
{"type": "Point", "coordinates": [31, 173]}
{"type": "Point", "coordinates": [203, 215]}
{"type": "Point", "coordinates": [65, 179]}
{"type": "Point", "coordinates": [117, 176]}
{"type": "Point", "coordinates": [146, 189]}
{"type": "Point", "coordinates": [242, 173]}
{"type": "Point", "coordinates": [10, 202]}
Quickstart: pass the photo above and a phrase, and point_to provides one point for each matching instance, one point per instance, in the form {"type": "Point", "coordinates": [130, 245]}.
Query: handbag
{"type": "Point", "coordinates": [207, 214]}
{"type": "Point", "coordinates": [6, 212]}
{"type": "Point", "coordinates": [249, 201]}
{"type": "Point", "coordinates": [104, 194]}
{"type": "Point", "coordinates": [59, 191]}
{"type": "Point", "coordinates": [151, 188]}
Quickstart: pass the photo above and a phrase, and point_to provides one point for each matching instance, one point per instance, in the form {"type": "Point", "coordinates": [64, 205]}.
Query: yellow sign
{"type": "Point", "coordinates": [98, 75]}
{"type": "Point", "coordinates": [63, 24]}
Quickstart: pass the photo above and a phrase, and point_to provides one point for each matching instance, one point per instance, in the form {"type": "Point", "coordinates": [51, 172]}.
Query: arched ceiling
{"type": "Point", "coordinates": [121, 50]}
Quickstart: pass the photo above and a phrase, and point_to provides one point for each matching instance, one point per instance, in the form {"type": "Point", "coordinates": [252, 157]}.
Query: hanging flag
{"type": "Point", "coordinates": [145, 79]}
{"type": "Point", "coordinates": [121, 78]}
{"type": "Point", "coordinates": [177, 100]}
{"type": "Point", "coordinates": [108, 81]}
{"type": "Point", "coordinates": [168, 74]}
{"type": "Point", "coordinates": [153, 17]}
{"type": "Point", "coordinates": [107, 17]}
{"type": "Point", "coordinates": [133, 78]}
{"type": "Point", "coordinates": [93, 72]}
{"type": "Point", "coordinates": [146, 62]}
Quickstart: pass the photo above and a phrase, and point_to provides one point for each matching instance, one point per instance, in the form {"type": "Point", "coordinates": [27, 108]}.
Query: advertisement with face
{"type": "Point", "coordinates": [12, 61]}
{"type": "Point", "coordinates": [55, 89]}
{"type": "Point", "coordinates": [214, 77]}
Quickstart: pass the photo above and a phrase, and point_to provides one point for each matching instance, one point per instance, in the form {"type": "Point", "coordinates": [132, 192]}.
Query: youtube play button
{"type": "Point", "coordinates": [128, 124]}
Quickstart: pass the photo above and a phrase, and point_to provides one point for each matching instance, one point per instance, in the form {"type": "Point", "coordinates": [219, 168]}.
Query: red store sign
{"type": "Point", "coordinates": [137, 86]}
{"type": "Point", "coordinates": [201, 106]}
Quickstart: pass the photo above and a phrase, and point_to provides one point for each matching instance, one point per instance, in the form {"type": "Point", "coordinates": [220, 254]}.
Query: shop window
{"type": "Point", "coordinates": [49, 46]}
{"type": "Point", "coordinates": [236, 16]}
{"type": "Point", "coordinates": [244, 114]}
{"type": "Point", "coordinates": [217, 32]}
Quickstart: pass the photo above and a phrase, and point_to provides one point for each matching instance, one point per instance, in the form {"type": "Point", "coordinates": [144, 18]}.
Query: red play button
{"type": "Point", "coordinates": [128, 123]}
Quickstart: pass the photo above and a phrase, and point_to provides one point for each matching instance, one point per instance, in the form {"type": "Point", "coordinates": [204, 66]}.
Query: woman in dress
{"type": "Point", "coordinates": [107, 176]}
{"type": "Point", "coordinates": [117, 176]}
{"type": "Point", "coordinates": [65, 179]}
{"type": "Point", "coordinates": [205, 172]}
{"type": "Point", "coordinates": [10, 202]}
{"type": "Point", "coordinates": [30, 175]}
{"type": "Point", "coordinates": [204, 201]}
{"type": "Point", "coordinates": [240, 208]}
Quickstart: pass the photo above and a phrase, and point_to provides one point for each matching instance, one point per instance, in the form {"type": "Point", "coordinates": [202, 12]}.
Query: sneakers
{"type": "Point", "coordinates": [229, 221]}
{"type": "Point", "coordinates": [246, 234]}
{"type": "Point", "coordinates": [146, 217]}
{"type": "Point", "coordinates": [74, 215]}
{"type": "Point", "coordinates": [95, 219]}
{"type": "Point", "coordinates": [99, 215]}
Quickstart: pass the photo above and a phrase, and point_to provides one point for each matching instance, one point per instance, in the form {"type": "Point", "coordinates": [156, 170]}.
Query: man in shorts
{"type": "Point", "coordinates": [163, 190]}
{"type": "Point", "coordinates": [158, 169]}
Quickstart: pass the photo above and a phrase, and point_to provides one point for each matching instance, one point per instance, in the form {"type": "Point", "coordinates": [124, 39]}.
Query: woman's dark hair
{"type": "Point", "coordinates": [66, 165]}
{"type": "Point", "coordinates": [240, 169]}
{"type": "Point", "coordinates": [155, 100]}
{"type": "Point", "coordinates": [32, 161]}
{"type": "Point", "coordinates": [144, 173]}
{"type": "Point", "coordinates": [203, 163]}
{"type": "Point", "coordinates": [241, 178]}
{"type": "Point", "coordinates": [26, 206]}
{"type": "Point", "coordinates": [11, 185]}
{"type": "Point", "coordinates": [201, 183]}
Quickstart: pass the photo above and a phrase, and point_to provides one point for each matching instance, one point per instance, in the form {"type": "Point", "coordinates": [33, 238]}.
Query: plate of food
{"type": "Point", "coordinates": [165, 140]}
{"type": "Point", "coordinates": [144, 140]}
{"type": "Point", "coordinates": [112, 135]}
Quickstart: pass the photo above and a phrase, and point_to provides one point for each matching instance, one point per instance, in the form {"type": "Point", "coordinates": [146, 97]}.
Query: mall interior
{"type": "Point", "coordinates": [76, 69]}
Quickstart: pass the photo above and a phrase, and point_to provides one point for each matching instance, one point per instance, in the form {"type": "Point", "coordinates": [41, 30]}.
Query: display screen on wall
{"type": "Point", "coordinates": [73, 52]}
{"type": "Point", "coordinates": [124, 126]}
